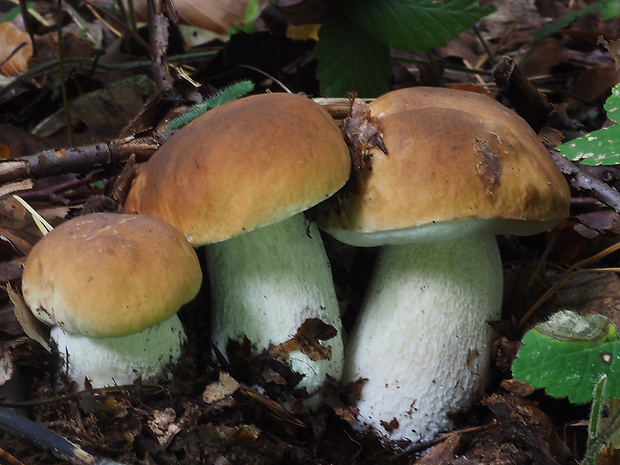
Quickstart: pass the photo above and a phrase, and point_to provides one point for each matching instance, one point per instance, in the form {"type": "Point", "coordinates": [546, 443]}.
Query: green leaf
{"type": "Point", "coordinates": [415, 24]}
{"type": "Point", "coordinates": [567, 355]}
{"type": "Point", "coordinates": [252, 10]}
{"type": "Point", "coordinates": [601, 147]}
{"type": "Point", "coordinates": [350, 60]}
{"type": "Point", "coordinates": [611, 9]}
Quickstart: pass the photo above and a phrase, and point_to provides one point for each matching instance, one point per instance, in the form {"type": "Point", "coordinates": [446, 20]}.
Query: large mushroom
{"type": "Point", "coordinates": [236, 179]}
{"type": "Point", "coordinates": [110, 286]}
{"type": "Point", "coordinates": [459, 168]}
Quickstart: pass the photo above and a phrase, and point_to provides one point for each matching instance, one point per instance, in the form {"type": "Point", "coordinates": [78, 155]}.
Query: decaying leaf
{"type": "Point", "coordinates": [307, 340]}
{"type": "Point", "coordinates": [361, 132]}
{"type": "Point", "coordinates": [27, 320]}
{"type": "Point", "coordinates": [531, 426]}
{"type": "Point", "coordinates": [15, 49]}
{"type": "Point", "coordinates": [220, 389]}
{"type": "Point", "coordinates": [164, 425]}
{"type": "Point", "coordinates": [218, 16]}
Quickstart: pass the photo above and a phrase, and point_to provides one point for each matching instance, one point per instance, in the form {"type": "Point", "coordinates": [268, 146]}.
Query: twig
{"type": "Point", "coordinates": [63, 82]}
{"type": "Point", "coordinates": [528, 102]}
{"type": "Point", "coordinates": [158, 30]}
{"type": "Point", "coordinates": [46, 439]}
{"type": "Point", "coordinates": [79, 159]}
{"type": "Point", "coordinates": [583, 181]}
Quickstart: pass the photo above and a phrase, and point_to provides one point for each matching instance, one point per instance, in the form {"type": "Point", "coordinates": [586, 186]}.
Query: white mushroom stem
{"type": "Point", "coordinates": [266, 283]}
{"type": "Point", "coordinates": [119, 360]}
{"type": "Point", "coordinates": [422, 339]}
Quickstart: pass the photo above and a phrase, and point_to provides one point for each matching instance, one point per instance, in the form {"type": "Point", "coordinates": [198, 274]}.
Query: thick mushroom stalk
{"type": "Point", "coordinates": [119, 360]}
{"type": "Point", "coordinates": [266, 283]}
{"type": "Point", "coordinates": [422, 340]}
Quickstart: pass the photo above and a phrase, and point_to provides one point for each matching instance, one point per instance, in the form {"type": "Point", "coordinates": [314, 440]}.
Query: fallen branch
{"type": "Point", "coordinates": [46, 439]}
{"type": "Point", "coordinates": [583, 181]}
{"type": "Point", "coordinates": [79, 159]}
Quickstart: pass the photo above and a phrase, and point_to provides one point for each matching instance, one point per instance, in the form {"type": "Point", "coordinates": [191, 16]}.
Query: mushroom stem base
{"type": "Point", "coordinates": [266, 283]}
{"type": "Point", "coordinates": [422, 338]}
{"type": "Point", "coordinates": [119, 360]}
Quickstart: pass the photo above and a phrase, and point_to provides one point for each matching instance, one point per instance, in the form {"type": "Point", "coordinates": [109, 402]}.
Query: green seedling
{"type": "Point", "coordinates": [225, 95]}
{"type": "Point", "coordinates": [601, 147]}
{"type": "Point", "coordinates": [567, 354]}
{"type": "Point", "coordinates": [577, 357]}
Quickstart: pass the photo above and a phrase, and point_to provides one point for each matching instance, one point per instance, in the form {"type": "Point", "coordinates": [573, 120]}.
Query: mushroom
{"type": "Point", "coordinates": [110, 286]}
{"type": "Point", "coordinates": [458, 168]}
{"type": "Point", "coordinates": [236, 179]}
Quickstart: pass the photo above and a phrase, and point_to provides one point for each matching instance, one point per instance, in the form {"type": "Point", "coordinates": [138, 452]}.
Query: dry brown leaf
{"type": "Point", "coordinates": [213, 15]}
{"type": "Point", "coordinates": [220, 389]}
{"type": "Point", "coordinates": [307, 340]}
{"type": "Point", "coordinates": [16, 44]}
{"type": "Point", "coordinates": [25, 317]}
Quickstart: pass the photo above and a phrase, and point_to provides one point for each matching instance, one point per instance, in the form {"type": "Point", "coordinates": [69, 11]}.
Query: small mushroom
{"type": "Point", "coordinates": [459, 169]}
{"type": "Point", "coordinates": [236, 180]}
{"type": "Point", "coordinates": [110, 286]}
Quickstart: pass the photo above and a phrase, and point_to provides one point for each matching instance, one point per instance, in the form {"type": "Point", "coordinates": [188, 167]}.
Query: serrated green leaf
{"type": "Point", "coordinates": [349, 59]}
{"type": "Point", "coordinates": [600, 147]}
{"type": "Point", "coordinates": [415, 24]}
{"type": "Point", "coordinates": [570, 366]}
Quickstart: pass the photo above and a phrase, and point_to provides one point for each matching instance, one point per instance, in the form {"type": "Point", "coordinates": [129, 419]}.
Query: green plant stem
{"type": "Point", "coordinates": [63, 83]}
{"type": "Point", "coordinates": [596, 413]}
{"type": "Point", "coordinates": [596, 444]}
{"type": "Point", "coordinates": [485, 46]}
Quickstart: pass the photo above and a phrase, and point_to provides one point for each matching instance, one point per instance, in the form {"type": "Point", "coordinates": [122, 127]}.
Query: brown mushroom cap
{"type": "Point", "coordinates": [453, 157]}
{"type": "Point", "coordinates": [107, 275]}
{"type": "Point", "coordinates": [246, 164]}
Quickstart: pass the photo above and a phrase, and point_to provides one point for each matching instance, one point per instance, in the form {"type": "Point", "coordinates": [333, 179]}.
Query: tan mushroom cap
{"type": "Point", "coordinates": [107, 275]}
{"type": "Point", "coordinates": [453, 156]}
{"type": "Point", "coordinates": [246, 164]}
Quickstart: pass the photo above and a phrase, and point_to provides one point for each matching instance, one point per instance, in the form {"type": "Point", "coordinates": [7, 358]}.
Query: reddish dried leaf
{"type": "Point", "coordinates": [531, 425]}
{"type": "Point", "coordinates": [213, 15]}
{"type": "Point", "coordinates": [307, 340]}
{"type": "Point", "coordinates": [15, 49]}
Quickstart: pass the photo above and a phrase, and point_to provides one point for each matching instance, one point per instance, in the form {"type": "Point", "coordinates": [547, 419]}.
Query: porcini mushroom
{"type": "Point", "coordinates": [110, 286]}
{"type": "Point", "coordinates": [459, 168]}
{"type": "Point", "coordinates": [236, 179]}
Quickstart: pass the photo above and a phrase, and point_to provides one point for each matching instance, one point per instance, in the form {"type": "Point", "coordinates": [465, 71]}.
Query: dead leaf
{"type": "Point", "coordinates": [221, 389]}
{"type": "Point", "coordinates": [29, 323]}
{"type": "Point", "coordinates": [218, 16]}
{"type": "Point", "coordinates": [16, 142]}
{"type": "Point", "coordinates": [15, 49]}
{"type": "Point", "coordinates": [442, 452]}
{"type": "Point", "coordinates": [530, 425]}
{"type": "Point", "coordinates": [164, 426]}
{"type": "Point", "coordinates": [307, 340]}
{"type": "Point", "coordinates": [361, 132]}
